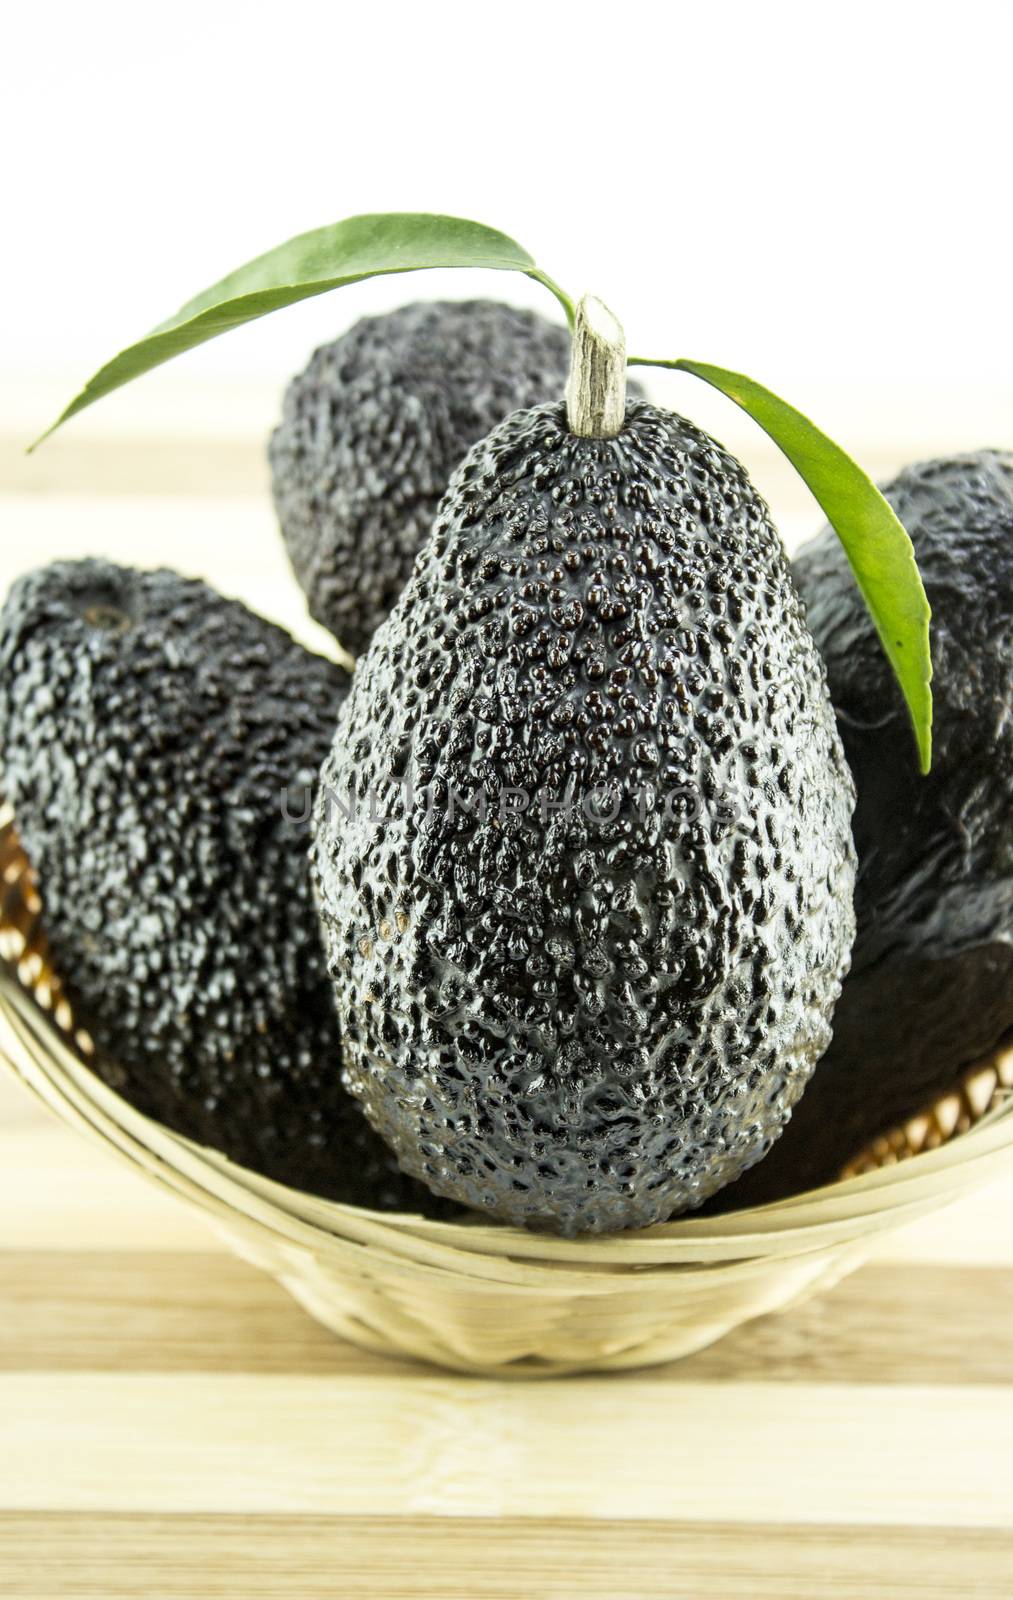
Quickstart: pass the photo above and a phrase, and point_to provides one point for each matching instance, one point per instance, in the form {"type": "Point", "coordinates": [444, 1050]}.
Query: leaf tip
{"type": "Point", "coordinates": [46, 434]}
{"type": "Point", "coordinates": [925, 746]}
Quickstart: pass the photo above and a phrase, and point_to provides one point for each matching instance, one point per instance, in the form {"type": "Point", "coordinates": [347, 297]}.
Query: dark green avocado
{"type": "Point", "coordinates": [931, 984]}
{"type": "Point", "coordinates": [159, 745]}
{"type": "Point", "coordinates": [372, 430]}
{"type": "Point", "coordinates": [582, 843]}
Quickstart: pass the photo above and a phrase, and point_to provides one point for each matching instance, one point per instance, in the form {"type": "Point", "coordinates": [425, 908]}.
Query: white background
{"type": "Point", "coordinates": [817, 195]}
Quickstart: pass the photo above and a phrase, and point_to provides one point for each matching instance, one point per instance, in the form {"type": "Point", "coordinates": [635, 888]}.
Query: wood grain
{"type": "Point", "coordinates": [434, 1445]}
{"type": "Point", "coordinates": [374, 1558]}
{"type": "Point", "coordinates": [188, 1312]}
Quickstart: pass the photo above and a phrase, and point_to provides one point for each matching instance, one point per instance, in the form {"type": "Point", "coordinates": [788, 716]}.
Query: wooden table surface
{"type": "Point", "coordinates": [173, 1425]}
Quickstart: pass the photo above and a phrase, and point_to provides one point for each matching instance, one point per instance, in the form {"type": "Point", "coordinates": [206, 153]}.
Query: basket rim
{"type": "Point", "coordinates": [847, 1211]}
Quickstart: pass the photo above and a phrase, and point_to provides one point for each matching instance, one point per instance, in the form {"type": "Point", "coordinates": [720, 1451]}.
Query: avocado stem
{"type": "Point", "coordinates": [596, 390]}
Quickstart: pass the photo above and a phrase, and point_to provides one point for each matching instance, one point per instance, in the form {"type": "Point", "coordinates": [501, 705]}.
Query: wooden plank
{"type": "Point", "coordinates": [195, 1312]}
{"type": "Point", "coordinates": [59, 1191]}
{"type": "Point", "coordinates": [59, 1557]}
{"type": "Point", "coordinates": [434, 1445]}
{"type": "Point", "coordinates": [161, 1312]}
{"type": "Point", "coordinates": [162, 465]}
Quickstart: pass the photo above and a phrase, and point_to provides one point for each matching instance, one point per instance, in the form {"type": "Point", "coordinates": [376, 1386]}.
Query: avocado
{"type": "Point", "coordinates": [371, 431]}
{"type": "Point", "coordinates": [158, 745]}
{"type": "Point", "coordinates": [582, 846]}
{"type": "Point", "coordinates": [931, 982]}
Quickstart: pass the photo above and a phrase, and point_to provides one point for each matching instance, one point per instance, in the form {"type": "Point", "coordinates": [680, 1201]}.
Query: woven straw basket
{"type": "Point", "coordinates": [483, 1298]}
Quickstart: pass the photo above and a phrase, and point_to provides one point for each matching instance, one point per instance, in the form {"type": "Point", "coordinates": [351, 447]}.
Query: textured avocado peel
{"type": "Point", "coordinates": [372, 430]}
{"type": "Point", "coordinates": [931, 985]}
{"type": "Point", "coordinates": [158, 744]}
{"type": "Point", "coordinates": [587, 1016]}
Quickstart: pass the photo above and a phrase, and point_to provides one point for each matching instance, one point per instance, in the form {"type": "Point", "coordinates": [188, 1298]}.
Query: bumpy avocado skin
{"type": "Point", "coordinates": [148, 731]}
{"type": "Point", "coordinates": [576, 1023]}
{"type": "Point", "coordinates": [372, 430]}
{"type": "Point", "coordinates": [931, 983]}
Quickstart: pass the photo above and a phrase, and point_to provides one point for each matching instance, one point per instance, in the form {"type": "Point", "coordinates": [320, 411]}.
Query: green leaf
{"type": "Point", "coordinates": [328, 258]}
{"type": "Point", "coordinates": [877, 545]}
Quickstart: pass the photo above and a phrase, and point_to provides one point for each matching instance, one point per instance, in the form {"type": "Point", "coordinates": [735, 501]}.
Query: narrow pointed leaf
{"type": "Point", "coordinates": [311, 264]}
{"type": "Point", "coordinates": [877, 545]}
